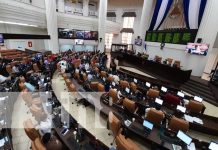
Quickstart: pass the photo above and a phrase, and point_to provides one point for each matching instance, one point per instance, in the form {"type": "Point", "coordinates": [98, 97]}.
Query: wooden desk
{"type": "Point", "coordinates": [159, 70]}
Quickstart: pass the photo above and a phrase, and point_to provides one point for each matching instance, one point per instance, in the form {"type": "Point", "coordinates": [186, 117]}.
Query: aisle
{"type": "Point", "coordinates": [19, 115]}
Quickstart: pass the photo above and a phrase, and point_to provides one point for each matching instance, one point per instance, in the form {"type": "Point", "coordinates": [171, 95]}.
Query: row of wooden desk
{"type": "Point", "coordinates": [159, 70]}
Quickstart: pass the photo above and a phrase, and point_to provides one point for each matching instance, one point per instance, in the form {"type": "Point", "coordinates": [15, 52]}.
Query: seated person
{"type": "Point", "coordinates": [29, 86]}
{"type": "Point", "coordinates": [15, 69]}
{"type": "Point", "coordinates": [4, 79]}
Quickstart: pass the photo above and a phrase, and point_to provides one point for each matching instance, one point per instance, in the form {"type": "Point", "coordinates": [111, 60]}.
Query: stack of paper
{"type": "Point", "coordinates": [193, 119]}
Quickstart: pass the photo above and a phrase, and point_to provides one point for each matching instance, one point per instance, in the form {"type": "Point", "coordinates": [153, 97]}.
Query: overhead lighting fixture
{"type": "Point", "coordinates": [20, 24]}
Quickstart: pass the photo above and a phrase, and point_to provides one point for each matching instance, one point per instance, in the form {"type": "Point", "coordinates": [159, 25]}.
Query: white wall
{"type": "Point", "coordinates": [37, 3]}
{"type": "Point", "coordinates": [21, 43]}
{"type": "Point", "coordinates": [119, 6]}
{"type": "Point", "coordinates": [66, 44]}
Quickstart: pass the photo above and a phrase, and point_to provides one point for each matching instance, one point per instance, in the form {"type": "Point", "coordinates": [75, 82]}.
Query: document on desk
{"type": "Point", "coordinates": [2, 142]}
{"type": "Point", "coordinates": [189, 118]}
{"type": "Point", "coordinates": [191, 146]}
{"type": "Point", "coordinates": [193, 119]}
{"type": "Point", "coordinates": [197, 120]}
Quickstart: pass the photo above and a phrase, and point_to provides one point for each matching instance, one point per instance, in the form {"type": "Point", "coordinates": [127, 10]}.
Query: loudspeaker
{"type": "Point", "coordinates": [199, 40]}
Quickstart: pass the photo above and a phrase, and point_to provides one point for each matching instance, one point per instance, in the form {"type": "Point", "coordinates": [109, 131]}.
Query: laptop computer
{"type": "Point", "coordinates": [213, 146]}
{"type": "Point", "coordinates": [148, 126]}
{"type": "Point", "coordinates": [148, 84]}
{"type": "Point", "coordinates": [198, 99]}
{"type": "Point", "coordinates": [180, 94]}
{"type": "Point", "coordinates": [181, 108]}
{"type": "Point", "coordinates": [164, 89]}
{"type": "Point", "coordinates": [184, 137]}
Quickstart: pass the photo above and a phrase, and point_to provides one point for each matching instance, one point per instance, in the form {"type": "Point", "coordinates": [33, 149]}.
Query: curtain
{"type": "Point", "coordinates": [160, 12]}
{"type": "Point", "coordinates": [193, 11]}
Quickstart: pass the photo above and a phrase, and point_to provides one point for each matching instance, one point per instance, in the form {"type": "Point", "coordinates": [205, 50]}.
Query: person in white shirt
{"type": "Point", "coordinates": [63, 65]}
{"type": "Point", "coordinates": [116, 79]}
{"type": "Point", "coordinates": [3, 78]}
{"type": "Point", "coordinates": [15, 69]}
{"type": "Point", "coordinates": [87, 66]}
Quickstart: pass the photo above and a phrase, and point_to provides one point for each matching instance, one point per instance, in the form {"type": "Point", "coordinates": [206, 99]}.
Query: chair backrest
{"type": "Point", "coordinates": [171, 99]}
{"type": "Point", "coordinates": [155, 116]}
{"type": "Point", "coordinates": [72, 88]}
{"type": "Point", "coordinates": [27, 97]}
{"type": "Point", "coordinates": [35, 67]}
{"type": "Point", "coordinates": [129, 105]}
{"type": "Point", "coordinates": [177, 63]}
{"type": "Point", "coordinates": [177, 124]}
{"type": "Point", "coordinates": [38, 145]}
{"type": "Point", "coordinates": [96, 70]}
{"type": "Point", "coordinates": [195, 107]}
{"type": "Point", "coordinates": [101, 87]}
{"type": "Point", "coordinates": [30, 130]}
{"type": "Point", "coordinates": [65, 76]}
{"type": "Point", "coordinates": [114, 123]}
{"type": "Point", "coordinates": [124, 84]}
{"type": "Point", "coordinates": [103, 74]}
{"type": "Point", "coordinates": [152, 93]}
{"type": "Point", "coordinates": [68, 82]}
{"type": "Point", "coordinates": [113, 94]}
{"type": "Point", "coordinates": [9, 69]}
{"type": "Point", "coordinates": [110, 79]}
{"type": "Point", "coordinates": [94, 86]}
{"type": "Point", "coordinates": [133, 86]}
{"type": "Point", "coordinates": [37, 112]}
{"type": "Point", "coordinates": [125, 143]}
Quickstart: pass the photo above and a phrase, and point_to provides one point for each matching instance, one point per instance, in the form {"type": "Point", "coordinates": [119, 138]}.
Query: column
{"type": "Point", "coordinates": [86, 8]}
{"type": "Point", "coordinates": [52, 27]}
{"type": "Point", "coordinates": [147, 13]}
{"type": "Point", "coordinates": [61, 6]}
{"type": "Point", "coordinates": [102, 16]}
{"type": "Point", "coordinates": [208, 32]}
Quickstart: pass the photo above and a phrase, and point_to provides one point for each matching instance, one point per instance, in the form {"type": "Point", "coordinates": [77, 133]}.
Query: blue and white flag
{"type": "Point", "coordinates": [160, 12]}
{"type": "Point", "coordinates": [193, 12]}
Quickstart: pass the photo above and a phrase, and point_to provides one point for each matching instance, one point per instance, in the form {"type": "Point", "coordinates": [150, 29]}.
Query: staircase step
{"type": "Point", "coordinates": [198, 93]}
{"type": "Point", "coordinates": [203, 86]}
{"type": "Point", "coordinates": [197, 89]}
{"type": "Point", "coordinates": [212, 101]}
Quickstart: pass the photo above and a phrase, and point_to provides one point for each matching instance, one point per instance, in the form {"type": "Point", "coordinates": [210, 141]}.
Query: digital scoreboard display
{"type": "Point", "coordinates": [173, 37]}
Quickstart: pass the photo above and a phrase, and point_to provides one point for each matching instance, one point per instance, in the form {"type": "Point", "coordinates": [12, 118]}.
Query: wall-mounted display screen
{"type": "Point", "coordinates": [79, 42]}
{"type": "Point", "coordinates": [77, 34]}
{"type": "Point", "coordinates": [171, 36]}
{"type": "Point", "coordinates": [1, 40]}
{"type": "Point", "coordinates": [197, 48]}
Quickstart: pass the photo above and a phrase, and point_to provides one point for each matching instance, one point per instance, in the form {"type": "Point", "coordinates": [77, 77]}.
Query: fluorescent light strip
{"type": "Point", "coordinates": [15, 23]}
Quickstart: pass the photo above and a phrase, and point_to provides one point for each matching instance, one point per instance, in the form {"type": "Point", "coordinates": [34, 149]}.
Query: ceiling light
{"type": "Point", "coordinates": [15, 23]}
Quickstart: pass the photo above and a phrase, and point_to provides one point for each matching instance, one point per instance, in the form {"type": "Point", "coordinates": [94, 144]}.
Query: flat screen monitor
{"type": "Point", "coordinates": [79, 34]}
{"type": "Point", "coordinates": [87, 35]}
{"type": "Point", "coordinates": [180, 94]}
{"type": "Point", "coordinates": [79, 42]}
{"type": "Point", "coordinates": [198, 99]}
{"type": "Point", "coordinates": [113, 83]}
{"type": "Point", "coordinates": [148, 84]}
{"type": "Point", "coordinates": [197, 48]}
{"type": "Point", "coordinates": [184, 137]}
{"type": "Point", "coordinates": [164, 89]}
{"type": "Point", "coordinates": [159, 101]}
{"type": "Point", "coordinates": [127, 90]}
{"type": "Point", "coordinates": [213, 146]}
{"type": "Point", "coordinates": [148, 125]}
{"type": "Point", "coordinates": [181, 108]}
{"type": "Point", "coordinates": [135, 80]}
